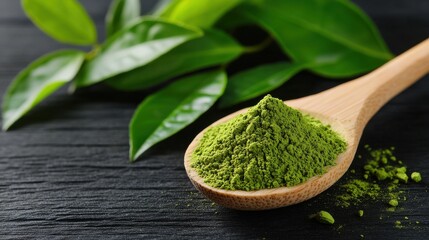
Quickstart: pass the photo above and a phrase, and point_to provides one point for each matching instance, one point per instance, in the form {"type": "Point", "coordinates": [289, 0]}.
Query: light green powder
{"type": "Point", "coordinates": [269, 146]}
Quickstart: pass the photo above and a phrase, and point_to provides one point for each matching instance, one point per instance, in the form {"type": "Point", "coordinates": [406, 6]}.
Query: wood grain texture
{"type": "Point", "coordinates": [65, 171]}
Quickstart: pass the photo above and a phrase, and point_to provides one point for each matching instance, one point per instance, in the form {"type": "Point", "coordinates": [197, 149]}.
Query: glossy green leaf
{"type": "Point", "coordinates": [38, 81]}
{"type": "Point", "coordinates": [257, 81]}
{"type": "Point", "coordinates": [64, 20]}
{"type": "Point", "coordinates": [233, 19]}
{"type": "Point", "coordinates": [334, 36]}
{"type": "Point", "coordinates": [120, 14]}
{"type": "Point", "coordinates": [133, 47]}
{"type": "Point", "coordinates": [197, 12]}
{"type": "Point", "coordinates": [164, 113]}
{"type": "Point", "coordinates": [214, 48]}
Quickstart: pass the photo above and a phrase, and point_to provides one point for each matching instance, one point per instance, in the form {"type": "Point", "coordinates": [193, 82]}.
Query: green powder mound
{"type": "Point", "coordinates": [269, 146]}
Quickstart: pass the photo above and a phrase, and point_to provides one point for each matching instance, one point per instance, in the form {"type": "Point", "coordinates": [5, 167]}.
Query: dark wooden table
{"type": "Point", "coordinates": [64, 170]}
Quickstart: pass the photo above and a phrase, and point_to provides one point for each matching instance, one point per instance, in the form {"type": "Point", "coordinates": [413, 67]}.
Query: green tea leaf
{"type": "Point", "coordinates": [333, 36]}
{"type": "Point", "coordinates": [164, 113]}
{"type": "Point", "coordinates": [215, 47]}
{"type": "Point", "coordinates": [257, 81]}
{"type": "Point", "coordinates": [38, 81]}
{"type": "Point", "coordinates": [199, 13]}
{"type": "Point", "coordinates": [64, 20]}
{"type": "Point", "coordinates": [233, 19]}
{"type": "Point", "coordinates": [133, 47]}
{"type": "Point", "coordinates": [120, 14]}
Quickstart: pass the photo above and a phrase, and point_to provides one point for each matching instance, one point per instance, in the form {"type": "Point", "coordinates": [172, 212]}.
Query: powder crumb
{"type": "Point", "coordinates": [391, 209]}
{"type": "Point", "coordinates": [393, 203]}
{"type": "Point", "coordinates": [402, 176]}
{"type": "Point", "coordinates": [416, 177]}
{"type": "Point", "coordinates": [323, 217]}
{"type": "Point", "coordinates": [398, 224]}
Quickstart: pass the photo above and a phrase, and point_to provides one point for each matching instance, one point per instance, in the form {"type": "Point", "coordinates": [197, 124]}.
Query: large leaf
{"type": "Point", "coordinates": [120, 14]}
{"type": "Point", "coordinates": [164, 113]}
{"type": "Point", "coordinates": [133, 47]}
{"type": "Point", "coordinates": [215, 47]}
{"type": "Point", "coordinates": [64, 20]}
{"type": "Point", "coordinates": [37, 81]}
{"type": "Point", "coordinates": [257, 81]}
{"type": "Point", "coordinates": [333, 36]}
{"type": "Point", "coordinates": [197, 12]}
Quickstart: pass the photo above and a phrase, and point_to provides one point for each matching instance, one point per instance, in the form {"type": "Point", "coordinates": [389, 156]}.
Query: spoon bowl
{"type": "Point", "coordinates": [276, 197]}
{"type": "Point", "coordinates": [346, 108]}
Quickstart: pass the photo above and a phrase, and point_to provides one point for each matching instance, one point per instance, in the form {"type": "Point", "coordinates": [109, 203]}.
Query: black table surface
{"type": "Point", "coordinates": [64, 170]}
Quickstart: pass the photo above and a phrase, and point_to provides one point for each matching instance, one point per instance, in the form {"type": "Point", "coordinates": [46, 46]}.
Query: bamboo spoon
{"type": "Point", "coordinates": [347, 108]}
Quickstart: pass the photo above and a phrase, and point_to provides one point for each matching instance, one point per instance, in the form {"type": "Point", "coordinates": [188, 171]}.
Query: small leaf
{"type": "Point", "coordinates": [37, 81]}
{"type": "Point", "coordinates": [257, 81]}
{"type": "Point", "coordinates": [199, 13]}
{"type": "Point", "coordinates": [215, 47]}
{"type": "Point", "coordinates": [133, 47]}
{"type": "Point", "coordinates": [164, 113]}
{"type": "Point", "coordinates": [64, 20]}
{"type": "Point", "coordinates": [120, 14]}
{"type": "Point", "coordinates": [335, 37]}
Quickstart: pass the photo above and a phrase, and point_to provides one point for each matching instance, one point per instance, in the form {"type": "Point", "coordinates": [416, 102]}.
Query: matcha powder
{"type": "Point", "coordinates": [269, 146]}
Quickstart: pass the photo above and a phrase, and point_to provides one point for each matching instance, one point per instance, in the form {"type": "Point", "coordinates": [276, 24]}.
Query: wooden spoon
{"type": "Point", "coordinates": [347, 108]}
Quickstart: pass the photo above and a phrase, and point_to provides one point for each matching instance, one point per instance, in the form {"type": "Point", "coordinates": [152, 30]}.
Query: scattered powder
{"type": "Point", "coordinates": [379, 180]}
{"type": "Point", "coordinates": [355, 191]}
{"type": "Point", "coordinates": [271, 145]}
{"type": "Point", "coordinates": [382, 175]}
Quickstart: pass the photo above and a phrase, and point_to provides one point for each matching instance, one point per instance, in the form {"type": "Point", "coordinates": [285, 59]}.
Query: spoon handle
{"type": "Point", "coordinates": [381, 85]}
